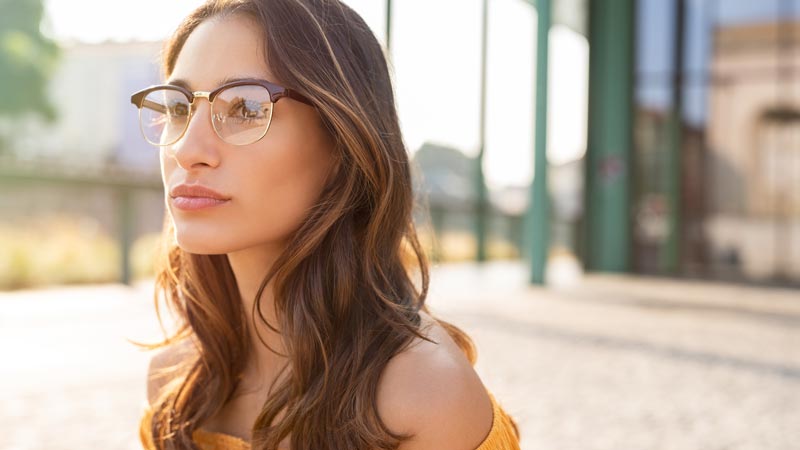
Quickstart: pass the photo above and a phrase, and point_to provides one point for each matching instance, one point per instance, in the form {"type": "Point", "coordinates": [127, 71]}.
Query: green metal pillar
{"type": "Point", "coordinates": [388, 25]}
{"type": "Point", "coordinates": [609, 150]}
{"type": "Point", "coordinates": [481, 194]}
{"type": "Point", "coordinates": [670, 257]}
{"type": "Point", "coordinates": [538, 214]}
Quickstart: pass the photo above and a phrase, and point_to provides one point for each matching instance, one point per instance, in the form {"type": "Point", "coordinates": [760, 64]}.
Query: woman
{"type": "Point", "coordinates": [290, 247]}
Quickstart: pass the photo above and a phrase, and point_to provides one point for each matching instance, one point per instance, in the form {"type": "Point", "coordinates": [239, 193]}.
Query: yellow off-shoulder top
{"type": "Point", "coordinates": [503, 435]}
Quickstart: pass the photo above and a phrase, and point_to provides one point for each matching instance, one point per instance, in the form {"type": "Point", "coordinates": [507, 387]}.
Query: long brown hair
{"type": "Point", "coordinates": [345, 298]}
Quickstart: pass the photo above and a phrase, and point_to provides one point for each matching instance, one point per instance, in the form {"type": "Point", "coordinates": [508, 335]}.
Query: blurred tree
{"type": "Point", "coordinates": [27, 57]}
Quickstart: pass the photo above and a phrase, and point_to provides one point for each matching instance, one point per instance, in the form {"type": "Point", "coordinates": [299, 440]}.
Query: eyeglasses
{"type": "Point", "coordinates": [241, 111]}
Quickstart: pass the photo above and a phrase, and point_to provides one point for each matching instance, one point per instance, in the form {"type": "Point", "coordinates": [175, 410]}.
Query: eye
{"type": "Point", "coordinates": [246, 110]}
{"type": "Point", "coordinates": [178, 109]}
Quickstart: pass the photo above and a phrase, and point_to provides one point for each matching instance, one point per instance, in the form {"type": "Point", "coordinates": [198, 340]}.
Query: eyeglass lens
{"type": "Point", "coordinates": [240, 115]}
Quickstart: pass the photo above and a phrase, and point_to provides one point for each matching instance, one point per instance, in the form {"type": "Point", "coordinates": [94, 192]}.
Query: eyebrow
{"type": "Point", "coordinates": [185, 84]}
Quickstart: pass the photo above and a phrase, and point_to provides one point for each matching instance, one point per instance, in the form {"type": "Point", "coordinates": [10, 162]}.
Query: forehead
{"type": "Point", "coordinates": [222, 48]}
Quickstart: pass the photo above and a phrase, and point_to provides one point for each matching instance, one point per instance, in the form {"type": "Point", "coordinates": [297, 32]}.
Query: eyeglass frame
{"type": "Point", "coordinates": [276, 92]}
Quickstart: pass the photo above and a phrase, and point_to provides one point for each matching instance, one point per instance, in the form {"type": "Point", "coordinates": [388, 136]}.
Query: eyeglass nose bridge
{"type": "Point", "coordinates": [195, 95]}
{"type": "Point", "coordinates": [203, 94]}
{"type": "Point", "coordinates": [193, 106]}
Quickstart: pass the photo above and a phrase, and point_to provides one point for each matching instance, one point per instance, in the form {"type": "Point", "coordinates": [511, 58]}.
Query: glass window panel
{"type": "Point", "coordinates": [655, 26]}
{"type": "Point", "coordinates": [653, 96]}
{"type": "Point", "coordinates": [699, 24]}
{"type": "Point", "coordinates": [695, 104]}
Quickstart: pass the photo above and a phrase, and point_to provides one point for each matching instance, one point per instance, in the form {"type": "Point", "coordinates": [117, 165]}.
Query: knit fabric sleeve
{"type": "Point", "coordinates": [504, 434]}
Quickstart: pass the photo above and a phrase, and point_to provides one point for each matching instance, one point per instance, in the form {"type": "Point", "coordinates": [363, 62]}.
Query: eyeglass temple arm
{"type": "Point", "coordinates": [292, 94]}
{"type": "Point", "coordinates": [149, 104]}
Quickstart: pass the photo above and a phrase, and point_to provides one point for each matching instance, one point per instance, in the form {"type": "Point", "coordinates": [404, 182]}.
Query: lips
{"type": "Point", "coordinates": [196, 190]}
{"type": "Point", "coordinates": [192, 197]}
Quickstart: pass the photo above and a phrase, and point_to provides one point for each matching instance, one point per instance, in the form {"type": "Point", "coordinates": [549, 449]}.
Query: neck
{"type": "Point", "coordinates": [250, 266]}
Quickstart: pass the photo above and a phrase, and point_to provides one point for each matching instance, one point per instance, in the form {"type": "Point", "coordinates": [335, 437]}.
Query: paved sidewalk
{"type": "Point", "coordinates": [616, 362]}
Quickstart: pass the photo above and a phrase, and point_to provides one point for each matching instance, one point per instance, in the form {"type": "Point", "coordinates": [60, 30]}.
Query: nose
{"type": "Point", "coordinates": [199, 144]}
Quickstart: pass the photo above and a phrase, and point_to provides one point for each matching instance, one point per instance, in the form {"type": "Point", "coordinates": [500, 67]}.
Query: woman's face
{"type": "Point", "coordinates": [271, 183]}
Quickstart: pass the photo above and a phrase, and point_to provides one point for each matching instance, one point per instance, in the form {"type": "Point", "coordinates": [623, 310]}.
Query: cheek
{"type": "Point", "coordinates": [166, 173]}
{"type": "Point", "coordinates": [281, 187]}
{"type": "Point", "coordinates": [167, 167]}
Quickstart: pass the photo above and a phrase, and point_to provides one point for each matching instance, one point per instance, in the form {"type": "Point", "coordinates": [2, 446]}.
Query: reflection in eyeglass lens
{"type": "Point", "coordinates": [242, 114]}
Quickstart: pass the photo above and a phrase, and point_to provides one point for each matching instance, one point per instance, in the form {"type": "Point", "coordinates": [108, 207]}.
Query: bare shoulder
{"type": "Point", "coordinates": [162, 367]}
{"type": "Point", "coordinates": [431, 390]}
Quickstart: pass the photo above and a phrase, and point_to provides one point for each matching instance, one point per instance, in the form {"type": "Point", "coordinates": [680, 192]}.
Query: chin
{"type": "Point", "coordinates": [200, 245]}
{"type": "Point", "coordinates": [201, 249]}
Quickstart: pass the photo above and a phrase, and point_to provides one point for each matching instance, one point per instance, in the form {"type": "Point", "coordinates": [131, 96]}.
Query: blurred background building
{"type": "Point", "coordinates": [669, 137]}
{"type": "Point", "coordinates": [716, 146]}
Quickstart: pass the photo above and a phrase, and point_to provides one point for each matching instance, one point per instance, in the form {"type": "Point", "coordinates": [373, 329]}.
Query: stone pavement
{"type": "Point", "coordinates": [616, 362]}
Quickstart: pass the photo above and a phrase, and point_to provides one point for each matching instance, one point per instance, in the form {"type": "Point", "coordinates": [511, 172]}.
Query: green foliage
{"type": "Point", "coordinates": [27, 58]}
